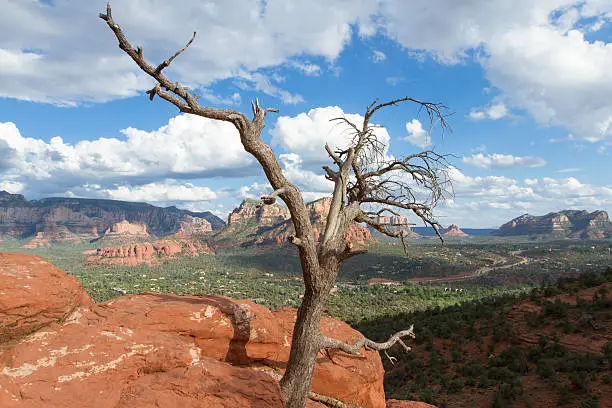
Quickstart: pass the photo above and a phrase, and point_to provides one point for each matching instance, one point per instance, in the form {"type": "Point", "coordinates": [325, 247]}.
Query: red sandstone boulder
{"type": "Point", "coordinates": [83, 364]}
{"type": "Point", "coordinates": [244, 333]}
{"type": "Point", "coordinates": [33, 294]}
{"type": "Point", "coordinates": [104, 351]}
{"type": "Point", "coordinates": [164, 350]}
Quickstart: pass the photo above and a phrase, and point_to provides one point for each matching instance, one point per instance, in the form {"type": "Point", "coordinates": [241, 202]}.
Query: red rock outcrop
{"type": "Point", "coordinates": [51, 236]}
{"type": "Point", "coordinates": [168, 350]}
{"type": "Point", "coordinates": [567, 223]}
{"type": "Point", "coordinates": [454, 231]}
{"type": "Point", "coordinates": [393, 220]}
{"type": "Point", "coordinates": [33, 294]}
{"type": "Point", "coordinates": [318, 211]}
{"type": "Point", "coordinates": [127, 228]}
{"type": "Point", "coordinates": [193, 226]}
{"type": "Point", "coordinates": [264, 215]}
{"type": "Point", "coordinates": [148, 252]}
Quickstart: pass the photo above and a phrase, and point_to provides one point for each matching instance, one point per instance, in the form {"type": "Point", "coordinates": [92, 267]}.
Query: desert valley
{"type": "Point", "coordinates": [516, 316]}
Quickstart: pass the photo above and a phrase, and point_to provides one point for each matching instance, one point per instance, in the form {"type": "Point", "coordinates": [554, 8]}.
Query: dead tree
{"type": "Point", "coordinates": [362, 175]}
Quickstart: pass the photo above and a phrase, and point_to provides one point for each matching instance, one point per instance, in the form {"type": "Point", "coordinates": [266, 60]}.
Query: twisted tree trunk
{"type": "Point", "coordinates": [372, 185]}
{"type": "Point", "coordinates": [297, 380]}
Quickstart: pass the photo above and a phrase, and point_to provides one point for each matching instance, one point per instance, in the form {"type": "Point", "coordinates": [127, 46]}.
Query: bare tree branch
{"type": "Point", "coordinates": [178, 95]}
{"type": "Point", "coordinates": [329, 401]}
{"type": "Point", "coordinates": [271, 199]}
{"type": "Point", "coordinates": [355, 349]}
{"type": "Point", "coordinates": [176, 54]}
{"type": "Point", "coordinates": [435, 111]}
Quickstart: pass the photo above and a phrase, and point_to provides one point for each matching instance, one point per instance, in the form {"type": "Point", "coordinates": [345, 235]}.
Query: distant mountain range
{"type": "Point", "coordinates": [474, 232]}
{"type": "Point", "coordinates": [69, 219]}
{"type": "Point", "coordinates": [62, 219]}
{"type": "Point", "coordinates": [563, 224]}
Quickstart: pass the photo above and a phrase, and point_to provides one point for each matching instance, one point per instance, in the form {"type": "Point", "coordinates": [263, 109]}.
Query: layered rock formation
{"type": "Point", "coordinates": [454, 231]}
{"type": "Point", "coordinates": [567, 223]}
{"type": "Point", "coordinates": [264, 215]}
{"type": "Point", "coordinates": [148, 252]}
{"type": "Point", "coordinates": [318, 211]}
{"type": "Point", "coordinates": [160, 350]}
{"type": "Point", "coordinates": [126, 228]}
{"type": "Point", "coordinates": [123, 232]}
{"type": "Point", "coordinates": [53, 234]}
{"type": "Point", "coordinates": [82, 219]}
{"type": "Point", "coordinates": [194, 226]}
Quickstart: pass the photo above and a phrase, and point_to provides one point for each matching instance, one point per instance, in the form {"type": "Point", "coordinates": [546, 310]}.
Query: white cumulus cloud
{"type": "Point", "coordinates": [503, 161]}
{"type": "Point", "coordinates": [306, 133]}
{"type": "Point", "coordinates": [187, 147]}
{"type": "Point", "coordinates": [417, 135]}
{"type": "Point", "coordinates": [62, 53]}
{"type": "Point", "coordinates": [494, 112]}
{"type": "Point", "coordinates": [535, 53]}
{"type": "Point", "coordinates": [168, 191]}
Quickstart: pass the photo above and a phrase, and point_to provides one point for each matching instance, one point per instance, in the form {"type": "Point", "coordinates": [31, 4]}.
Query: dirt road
{"type": "Point", "coordinates": [478, 272]}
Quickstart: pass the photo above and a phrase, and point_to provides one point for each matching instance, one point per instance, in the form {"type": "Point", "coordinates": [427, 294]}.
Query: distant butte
{"type": "Point", "coordinates": [454, 231]}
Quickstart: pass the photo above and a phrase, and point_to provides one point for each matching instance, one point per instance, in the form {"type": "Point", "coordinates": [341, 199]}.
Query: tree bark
{"type": "Point", "coordinates": [306, 344]}
{"type": "Point", "coordinates": [307, 340]}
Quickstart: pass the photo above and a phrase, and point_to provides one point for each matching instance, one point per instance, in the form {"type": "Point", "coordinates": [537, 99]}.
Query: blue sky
{"type": "Point", "coordinates": [528, 83]}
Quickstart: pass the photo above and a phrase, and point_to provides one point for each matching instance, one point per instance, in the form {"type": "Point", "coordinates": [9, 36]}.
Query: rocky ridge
{"type": "Point", "coordinates": [76, 219]}
{"type": "Point", "coordinates": [263, 215]}
{"type": "Point", "coordinates": [148, 253]}
{"type": "Point", "coordinates": [318, 211]}
{"type": "Point", "coordinates": [567, 224]}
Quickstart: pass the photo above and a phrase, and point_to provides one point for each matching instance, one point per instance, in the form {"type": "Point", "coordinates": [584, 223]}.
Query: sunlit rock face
{"type": "Point", "coordinates": [61, 350]}
{"type": "Point", "coordinates": [454, 231]}
{"type": "Point", "coordinates": [148, 253]}
{"type": "Point", "coordinates": [265, 215]}
{"type": "Point", "coordinates": [567, 223]}
{"type": "Point", "coordinates": [317, 211]}
{"type": "Point", "coordinates": [51, 220]}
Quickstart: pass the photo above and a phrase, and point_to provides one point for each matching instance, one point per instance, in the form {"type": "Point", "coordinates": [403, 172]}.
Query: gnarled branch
{"type": "Point", "coordinates": [167, 62]}
{"type": "Point", "coordinates": [271, 199]}
{"type": "Point", "coordinates": [177, 94]}
{"type": "Point", "coordinates": [329, 401]}
{"type": "Point", "coordinates": [355, 349]}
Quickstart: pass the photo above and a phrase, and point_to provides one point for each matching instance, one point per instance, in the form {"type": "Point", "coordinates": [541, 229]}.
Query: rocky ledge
{"type": "Point", "coordinates": [59, 349]}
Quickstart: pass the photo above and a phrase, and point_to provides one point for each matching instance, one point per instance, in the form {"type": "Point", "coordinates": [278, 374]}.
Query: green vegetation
{"type": "Point", "coordinates": [473, 348]}
{"type": "Point", "coordinates": [465, 343]}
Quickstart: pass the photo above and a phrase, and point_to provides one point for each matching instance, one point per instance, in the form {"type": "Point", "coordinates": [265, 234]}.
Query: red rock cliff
{"type": "Point", "coordinates": [148, 252]}
{"type": "Point", "coordinates": [318, 211]}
